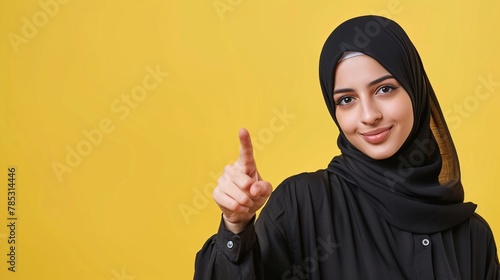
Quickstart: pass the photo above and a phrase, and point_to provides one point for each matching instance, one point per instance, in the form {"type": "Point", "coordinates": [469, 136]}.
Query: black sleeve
{"type": "Point", "coordinates": [226, 255]}
{"type": "Point", "coordinates": [483, 250]}
{"type": "Point", "coordinates": [260, 251]}
{"type": "Point", "coordinates": [493, 268]}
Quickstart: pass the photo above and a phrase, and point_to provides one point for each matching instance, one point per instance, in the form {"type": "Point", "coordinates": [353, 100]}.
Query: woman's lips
{"type": "Point", "coordinates": [377, 135]}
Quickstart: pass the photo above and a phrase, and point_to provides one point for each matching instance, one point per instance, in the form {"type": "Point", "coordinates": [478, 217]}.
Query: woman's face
{"type": "Point", "coordinates": [372, 108]}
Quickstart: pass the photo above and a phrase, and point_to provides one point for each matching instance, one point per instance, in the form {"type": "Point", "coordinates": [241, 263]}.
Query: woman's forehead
{"type": "Point", "coordinates": [358, 69]}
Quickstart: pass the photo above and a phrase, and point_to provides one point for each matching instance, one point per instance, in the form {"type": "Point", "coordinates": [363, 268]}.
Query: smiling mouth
{"type": "Point", "coordinates": [377, 136]}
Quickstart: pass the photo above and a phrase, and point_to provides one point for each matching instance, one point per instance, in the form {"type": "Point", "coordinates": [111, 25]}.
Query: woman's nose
{"type": "Point", "coordinates": [370, 112]}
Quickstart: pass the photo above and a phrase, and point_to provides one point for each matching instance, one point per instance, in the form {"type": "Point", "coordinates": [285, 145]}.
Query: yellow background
{"type": "Point", "coordinates": [138, 204]}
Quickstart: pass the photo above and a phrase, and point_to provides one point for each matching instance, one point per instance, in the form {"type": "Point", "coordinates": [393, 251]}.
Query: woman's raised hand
{"type": "Point", "coordinates": [240, 191]}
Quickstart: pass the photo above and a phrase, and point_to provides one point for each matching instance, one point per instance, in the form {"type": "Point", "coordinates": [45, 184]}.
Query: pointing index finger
{"type": "Point", "coordinates": [246, 159]}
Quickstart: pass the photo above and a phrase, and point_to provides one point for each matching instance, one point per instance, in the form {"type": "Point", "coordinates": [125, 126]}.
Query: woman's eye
{"type": "Point", "coordinates": [385, 89]}
{"type": "Point", "coordinates": [344, 100]}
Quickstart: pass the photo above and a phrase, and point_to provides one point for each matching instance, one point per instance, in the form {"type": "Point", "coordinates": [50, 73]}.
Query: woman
{"type": "Point", "coordinates": [389, 207]}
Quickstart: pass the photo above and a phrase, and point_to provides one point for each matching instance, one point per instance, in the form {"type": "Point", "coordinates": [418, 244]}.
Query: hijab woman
{"type": "Point", "coordinates": [389, 207]}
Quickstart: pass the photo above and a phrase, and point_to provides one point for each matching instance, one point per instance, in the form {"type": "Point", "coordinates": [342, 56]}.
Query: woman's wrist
{"type": "Point", "coordinates": [236, 227]}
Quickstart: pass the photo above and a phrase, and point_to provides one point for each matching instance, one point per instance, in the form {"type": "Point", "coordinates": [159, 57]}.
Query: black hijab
{"type": "Point", "coordinates": [418, 189]}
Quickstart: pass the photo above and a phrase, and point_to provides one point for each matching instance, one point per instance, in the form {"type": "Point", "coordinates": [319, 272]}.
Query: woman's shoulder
{"type": "Point", "coordinates": [482, 241]}
{"type": "Point", "coordinates": [479, 226]}
{"type": "Point", "coordinates": [306, 184]}
{"type": "Point", "coordinates": [307, 177]}
{"type": "Point", "coordinates": [301, 191]}
{"type": "Point", "coordinates": [305, 181]}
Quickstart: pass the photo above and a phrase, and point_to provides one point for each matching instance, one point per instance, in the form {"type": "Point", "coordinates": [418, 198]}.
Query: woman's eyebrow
{"type": "Point", "coordinates": [342, 90]}
{"type": "Point", "coordinates": [383, 78]}
{"type": "Point", "coordinates": [374, 82]}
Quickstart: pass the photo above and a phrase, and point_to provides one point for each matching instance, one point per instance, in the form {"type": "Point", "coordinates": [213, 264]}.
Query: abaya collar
{"type": "Point", "coordinates": [418, 189]}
